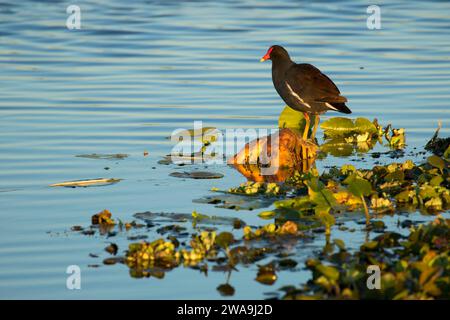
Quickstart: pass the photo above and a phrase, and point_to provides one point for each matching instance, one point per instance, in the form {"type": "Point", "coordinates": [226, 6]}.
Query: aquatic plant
{"type": "Point", "coordinates": [412, 267]}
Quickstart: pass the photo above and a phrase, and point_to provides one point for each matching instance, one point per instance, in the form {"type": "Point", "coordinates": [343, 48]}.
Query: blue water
{"type": "Point", "coordinates": [136, 71]}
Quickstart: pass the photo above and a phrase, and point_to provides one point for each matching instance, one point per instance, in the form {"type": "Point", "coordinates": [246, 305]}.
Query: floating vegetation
{"type": "Point", "coordinates": [87, 183]}
{"type": "Point", "coordinates": [182, 160]}
{"type": "Point", "coordinates": [345, 127]}
{"type": "Point", "coordinates": [236, 201]}
{"type": "Point", "coordinates": [248, 196]}
{"type": "Point", "coordinates": [307, 203]}
{"type": "Point", "coordinates": [112, 249]}
{"type": "Point", "coordinates": [383, 189]}
{"type": "Point", "coordinates": [266, 274]}
{"type": "Point", "coordinates": [106, 225]}
{"type": "Point", "coordinates": [344, 136]}
{"type": "Point", "coordinates": [114, 156]}
{"type": "Point", "coordinates": [413, 267]}
{"type": "Point", "coordinates": [197, 175]}
{"type": "Point", "coordinates": [259, 188]}
{"type": "Point", "coordinates": [152, 217]}
{"type": "Point", "coordinates": [208, 246]}
{"type": "Point", "coordinates": [103, 218]}
{"type": "Point", "coordinates": [271, 231]}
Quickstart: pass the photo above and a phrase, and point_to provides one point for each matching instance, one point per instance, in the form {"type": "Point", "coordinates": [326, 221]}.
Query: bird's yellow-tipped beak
{"type": "Point", "coordinates": [267, 55]}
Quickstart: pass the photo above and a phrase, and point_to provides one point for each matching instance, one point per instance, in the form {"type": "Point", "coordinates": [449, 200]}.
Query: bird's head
{"type": "Point", "coordinates": [274, 53]}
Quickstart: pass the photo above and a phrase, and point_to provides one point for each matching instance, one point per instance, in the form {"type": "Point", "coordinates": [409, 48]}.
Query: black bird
{"type": "Point", "coordinates": [303, 87]}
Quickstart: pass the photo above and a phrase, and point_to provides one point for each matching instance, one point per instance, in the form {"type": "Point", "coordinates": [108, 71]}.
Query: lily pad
{"type": "Point", "coordinates": [267, 215]}
{"type": "Point", "coordinates": [151, 217]}
{"type": "Point", "coordinates": [181, 160]}
{"type": "Point", "coordinates": [197, 175]}
{"type": "Point", "coordinates": [114, 156]}
{"type": "Point", "coordinates": [340, 126]}
{"type": "Point", "coordinates": [292, 119]}
{"type": "Point", "coordinates": [226, 290]}
{"type": "Point", "coordinates": [328, 271]}
{"type": "Point", "coordinates": [266, 275]}
{"type": "Point", "coordinates": [236, 202]}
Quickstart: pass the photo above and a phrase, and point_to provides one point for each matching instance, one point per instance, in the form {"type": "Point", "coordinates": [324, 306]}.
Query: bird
{"type": "Point", "coordinates": [304, 88]}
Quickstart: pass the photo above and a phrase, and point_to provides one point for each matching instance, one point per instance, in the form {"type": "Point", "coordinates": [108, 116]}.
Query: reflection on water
{"type": "Point", "coordinates": [137, 71]}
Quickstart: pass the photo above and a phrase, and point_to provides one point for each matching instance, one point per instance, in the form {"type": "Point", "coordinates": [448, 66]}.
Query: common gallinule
{"type": "Point", "coordinates": [303, 87]}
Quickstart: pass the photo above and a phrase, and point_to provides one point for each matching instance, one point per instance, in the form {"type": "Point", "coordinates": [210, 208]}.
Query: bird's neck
{"type": "Point", "coordinates": [280, 66]}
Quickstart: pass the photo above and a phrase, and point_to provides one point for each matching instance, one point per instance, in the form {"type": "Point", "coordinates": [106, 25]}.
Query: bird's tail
{"type": "Point", "coordinates": [341, 107]}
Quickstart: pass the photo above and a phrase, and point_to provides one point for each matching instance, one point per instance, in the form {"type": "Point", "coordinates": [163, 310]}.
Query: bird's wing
{"type": "Point", "coordinates": [312, 85]}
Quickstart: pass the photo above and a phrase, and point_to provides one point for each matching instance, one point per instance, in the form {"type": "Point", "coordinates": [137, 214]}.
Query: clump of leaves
{"type": "Point", "coordinates": [344, 135]}
{"type": "Point", "coordinates": [104, 217]}
{"type": "Point", "coordinates": [383, 189]}
{"type": "Point", "coordinates": [146, 255]}
{"type": "Point", "coordinates": [202, 246]}
{"type": "Point", "coordinates": [413, 267]}
{"type": "Point", "coordinates": [259, 188]}
{"type": "Point", "coordinates": [345, 127]}
{"type": "Point", "coordinates": [272, 230]}
{"type": "Point", "coordinates": [395, 137]}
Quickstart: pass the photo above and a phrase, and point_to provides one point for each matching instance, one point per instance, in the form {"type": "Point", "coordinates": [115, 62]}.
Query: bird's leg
{"type": "Point", "coordinates": [305, 136]}
{"type": "Point", "coordinates": [307, 123]}
{"type": "Point", "coordinates": [316, 124]}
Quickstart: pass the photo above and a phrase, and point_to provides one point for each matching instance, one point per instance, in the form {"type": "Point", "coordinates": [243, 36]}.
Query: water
{"type": "Point", "coordinates": [137, 71]}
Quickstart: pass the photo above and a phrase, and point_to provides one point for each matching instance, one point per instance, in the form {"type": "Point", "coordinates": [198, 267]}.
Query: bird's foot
{"type": "Point", "coordinates": [309, 148]}
{"type": "Point", "coordinates": [312, 141]}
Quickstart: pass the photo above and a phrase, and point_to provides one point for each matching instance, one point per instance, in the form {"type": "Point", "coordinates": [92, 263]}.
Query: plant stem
{"type": "Point", "coordinates": [366, 211]}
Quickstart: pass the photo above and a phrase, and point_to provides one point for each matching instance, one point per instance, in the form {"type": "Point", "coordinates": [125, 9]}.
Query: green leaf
{"type": "Point", "coordinates": [370, 245]}
{"type": "Point", "coordinates": [319, 195]}
{"type": "Point", "coordinates": [266, 214]}
{"type": "Point", "coordinates": [428, 192]}
{"type": "Point", "coordinates": [436, 181]}
{"type": "Point", "coordinates": [330, 272]}
{"type": "Point", "coordinates": [447, 153]}
{"type": "Point", "coordinates": [290, 118]}
{"type": "Point", "coordinates": [347, 169]}
{"type": "Point", "coordinates": [199, 216]}
{"type": "Point", "coordinates": [352, 177]}
{"type": "Point", "coordinates": [345, 127]}
{"type": "Point", "coordinates": [395, 176]}
{"type": "Point", "coordinates": [338, 126]}
{"type": "Point", "coordinates": [300, 203]}
{"type": "Point", "coordinates": [323, 214]}
{"type": "Point", "coordinates": [436, 162]}
{"type": "Point", "coordinates": [226, 290]}
{"type": "Point", "coordinates": [360, 187]}
{"type": "Point", "coordinates": [339, 243]}
{"type": "Point", "coordinates": [224, 239]}
{"type": "Point", "coordinates": [363, 125]}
